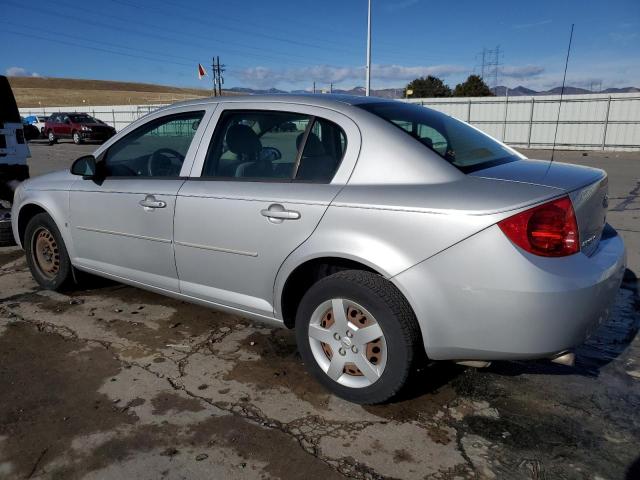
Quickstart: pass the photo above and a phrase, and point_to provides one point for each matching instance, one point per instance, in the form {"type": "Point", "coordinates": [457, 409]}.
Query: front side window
{"type": "Point", "coordinates": [156, 149]}
{"type": "Point", "coordinates": [273, 145]}
{"type": "Point", "coordinates": [455, 141]}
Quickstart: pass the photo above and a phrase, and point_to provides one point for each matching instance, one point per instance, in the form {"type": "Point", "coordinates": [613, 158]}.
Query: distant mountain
{"type": "Point", "coordinates": [252, 91]}
{"type": "Point", "coordinates": [500, 91]}
{"type": "Point", "coordinates": [621, 90]}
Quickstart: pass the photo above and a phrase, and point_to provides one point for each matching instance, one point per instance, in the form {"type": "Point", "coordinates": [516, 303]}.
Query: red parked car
{"type": "Point", "coordinates": [77, 126]}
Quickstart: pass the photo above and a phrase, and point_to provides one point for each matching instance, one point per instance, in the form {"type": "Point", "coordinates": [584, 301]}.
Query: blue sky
{"type": "Point", "coordinates": [289, 44]}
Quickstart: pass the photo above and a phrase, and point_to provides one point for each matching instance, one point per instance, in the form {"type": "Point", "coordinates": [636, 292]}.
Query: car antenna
{"type": "Point", "coordinates": [564, 78]}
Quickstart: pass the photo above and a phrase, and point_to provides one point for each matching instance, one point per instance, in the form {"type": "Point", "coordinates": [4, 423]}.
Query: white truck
{"type": "Point", "coordinates": [14, 152]}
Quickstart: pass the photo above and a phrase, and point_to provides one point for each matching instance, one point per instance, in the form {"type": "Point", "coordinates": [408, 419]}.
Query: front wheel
{"type": "Point", "coordinates": [77, 139]}
{"type": "Point", "coordinates": [46, 253]}
{"type": "Point", "coordinates": [358, 336]}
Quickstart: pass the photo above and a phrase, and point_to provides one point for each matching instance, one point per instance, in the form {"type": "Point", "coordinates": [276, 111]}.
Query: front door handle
{"type": "Point", "coordinates": [150, 203]}
{"type": "Point", "coordinates": [276, 213]}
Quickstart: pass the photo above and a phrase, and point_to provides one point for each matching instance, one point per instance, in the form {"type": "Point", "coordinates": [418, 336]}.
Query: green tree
{"type": "Point", "coordinates": [473, 86]}
{"type": "Point", "coordinates": [428, 87]}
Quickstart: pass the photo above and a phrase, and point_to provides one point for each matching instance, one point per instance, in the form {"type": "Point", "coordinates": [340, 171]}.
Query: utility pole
{"type": "Point", "coordinates": [368, 80]}
{"type": "Point", "coordinates": [331, 87]}
{"type": "Point", "coordinates": [314, 87]}
{"type": "Point", "coordinates": [218, 79]}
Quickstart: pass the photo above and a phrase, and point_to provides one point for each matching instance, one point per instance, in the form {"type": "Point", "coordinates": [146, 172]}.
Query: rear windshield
{"type": "Point", "coordinates": [455, 141]}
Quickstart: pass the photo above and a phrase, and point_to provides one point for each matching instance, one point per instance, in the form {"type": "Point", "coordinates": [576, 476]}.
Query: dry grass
{"type": "Point", "coordinates": [53, 92]}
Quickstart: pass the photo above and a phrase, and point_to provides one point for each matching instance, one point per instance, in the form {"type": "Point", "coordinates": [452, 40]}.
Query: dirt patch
{"type": "Point", "coordinates": [50, 395]}
{"type": "Point", "coordinates": [170, 401]}
{"type": "Point", "coordinates": [279, 366]}
{"type": "Point", "coordinates": [10, 255]}
{"type": "Point", "coordinates": [283, 456]}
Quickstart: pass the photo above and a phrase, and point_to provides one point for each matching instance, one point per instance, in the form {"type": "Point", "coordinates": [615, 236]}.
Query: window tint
{"type": "Point", "coordinates": [323, 152]}
{"type": "Point", "coordinates": [156, 149]}
{"type": "Point", "coordinates": [256, 145]}
{"type": "Point", "coordinates": [455, 141]}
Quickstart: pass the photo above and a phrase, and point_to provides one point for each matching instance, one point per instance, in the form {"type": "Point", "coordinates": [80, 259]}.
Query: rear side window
{"type": "Point", "coordinates": [260, 145]}
{"type": "Point", "coordinates": [461, 145]}
{"type": "Point", "coordinates": [323, 151]}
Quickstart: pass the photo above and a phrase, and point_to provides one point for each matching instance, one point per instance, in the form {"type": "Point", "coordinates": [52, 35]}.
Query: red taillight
{"type": "Point", "coordinates": [549, 230]}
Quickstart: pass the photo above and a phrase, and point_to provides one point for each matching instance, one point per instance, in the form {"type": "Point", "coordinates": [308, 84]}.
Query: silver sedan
{"type": "Point", "coordinates": [385, 233]}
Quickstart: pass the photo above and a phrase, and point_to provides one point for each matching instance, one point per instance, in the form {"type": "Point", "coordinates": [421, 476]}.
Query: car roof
{"type": "Point", "coordinates": [321, 100]}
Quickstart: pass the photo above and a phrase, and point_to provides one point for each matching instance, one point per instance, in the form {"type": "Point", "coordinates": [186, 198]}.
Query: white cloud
{"type": "Point", "coordinates": [261, 77]}
{"type": "Point", "coordinates": [20, 72]}
{"type": "Point", "coordinates": [521, 72]}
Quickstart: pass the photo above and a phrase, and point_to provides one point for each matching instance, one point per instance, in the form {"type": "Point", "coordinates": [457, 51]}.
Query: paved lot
{"type": "Point", "coordinates": [114, 382]}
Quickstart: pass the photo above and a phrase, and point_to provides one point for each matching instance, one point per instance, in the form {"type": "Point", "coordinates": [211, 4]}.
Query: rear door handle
{"type": "Point", "coordinates": [150, 203]}
{"type": "Point", "coordinates": [276, 213]}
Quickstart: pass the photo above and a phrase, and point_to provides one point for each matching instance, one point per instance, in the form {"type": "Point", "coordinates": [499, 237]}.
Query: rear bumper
{"type": "Point", "coordinates": [485, 299]}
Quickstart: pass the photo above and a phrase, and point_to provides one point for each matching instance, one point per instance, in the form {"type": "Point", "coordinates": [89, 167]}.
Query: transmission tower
{"type": "Point", "coordinates": [490, 66]}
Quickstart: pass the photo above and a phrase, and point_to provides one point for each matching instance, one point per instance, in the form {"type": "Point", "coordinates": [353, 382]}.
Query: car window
{"type": "Point", "coordinates": [458, 143]}
{"type": "Point", "coordinates": [256, 145]}
{"type": "Point", "coordinates": [156, 149]}
{"type": "Point", "coordinates": [323, 152]}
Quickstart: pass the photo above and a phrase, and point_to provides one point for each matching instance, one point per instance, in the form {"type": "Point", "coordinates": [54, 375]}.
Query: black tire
{"type": "Point", "coordinates": [63, 277]}
{"type": "Point", "coordinates": [392, 312]}
{"type": "Point", "coordinates": [77, 138]}
{"type": "Point", "coordinates": [51, 137]}
{"type": "Point", "coordinates": [6, 234]}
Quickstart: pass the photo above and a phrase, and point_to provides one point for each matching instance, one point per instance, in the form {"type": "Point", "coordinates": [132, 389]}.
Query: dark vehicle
{"type": "Point", "coordinates": [14, 152]}
{"type": "Point", "coordinates": [77, 126]}
{"type": "Point", "coordinates": [31, 132]}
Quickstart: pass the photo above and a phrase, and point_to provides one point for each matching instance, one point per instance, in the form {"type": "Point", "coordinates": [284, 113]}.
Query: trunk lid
{"type": "Point", "coordinates": [587, 187]}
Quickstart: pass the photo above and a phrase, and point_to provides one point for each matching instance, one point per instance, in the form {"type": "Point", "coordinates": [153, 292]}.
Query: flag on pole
{"type": "Point", "coordinates": [201, 71]}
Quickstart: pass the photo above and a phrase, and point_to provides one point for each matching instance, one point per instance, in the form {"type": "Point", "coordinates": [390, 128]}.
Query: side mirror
{"type": "Point", "coordinates": [85, 166]}
{"type": "Point", "coordinates": [67, 121]}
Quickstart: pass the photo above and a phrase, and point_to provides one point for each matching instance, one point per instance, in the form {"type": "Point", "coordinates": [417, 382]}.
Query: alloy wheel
{"type": "Point", "coordinates": [347, 343]}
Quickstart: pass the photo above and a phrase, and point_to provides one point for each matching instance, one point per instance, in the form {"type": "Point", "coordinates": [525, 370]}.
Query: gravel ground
{"type": "Point", "coordinates": [114, 382]}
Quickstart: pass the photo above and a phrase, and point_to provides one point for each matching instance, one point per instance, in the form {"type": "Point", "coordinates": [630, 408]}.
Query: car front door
{"type": "Point", "coordinates": [64, 128]}
{"type": "Point", "coordinates": [122, 223]}
{"type": "Point", "coordinates": [255, 194]}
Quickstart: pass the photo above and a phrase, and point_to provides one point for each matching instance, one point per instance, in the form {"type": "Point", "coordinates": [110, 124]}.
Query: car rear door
{"type": "Point", "coordinates": [243, 210]}
{"type": "Point", "coordinates": [122, 224]}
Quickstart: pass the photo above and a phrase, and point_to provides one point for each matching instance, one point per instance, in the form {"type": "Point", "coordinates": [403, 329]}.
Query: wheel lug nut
{"type": "Point", "coordinates": [354, 349]}
{"type": "Point", "coordinates": [336, 336]}
{"type": "Point", "coordinates": [342, 352]}
{"type": "Point", "coordinates": [349, 333]}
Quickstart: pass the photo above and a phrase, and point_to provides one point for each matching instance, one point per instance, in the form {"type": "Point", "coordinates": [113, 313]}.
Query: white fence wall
{"type": "Point", "coordinates": [587, 122]}
{"type": "Point", "coordinates": [118, 116]}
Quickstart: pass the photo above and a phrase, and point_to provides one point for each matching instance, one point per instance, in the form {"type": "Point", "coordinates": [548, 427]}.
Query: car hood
{"type": "Point", "coordinates": [558, 175]}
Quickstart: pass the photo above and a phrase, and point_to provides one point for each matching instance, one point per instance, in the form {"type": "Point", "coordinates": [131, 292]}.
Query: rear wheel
{"type": "Point", "coordinates": [51, 137]}
{"type": "Point", "coordinates": [358, 336]}
{"type": "Point", "coordinates": [46, 253]}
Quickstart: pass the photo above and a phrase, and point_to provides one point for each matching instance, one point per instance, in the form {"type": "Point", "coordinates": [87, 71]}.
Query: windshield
{"type": "Point", "coordinates": [82, 119]}
{"type": "Point", "coordinates": [461, 145]}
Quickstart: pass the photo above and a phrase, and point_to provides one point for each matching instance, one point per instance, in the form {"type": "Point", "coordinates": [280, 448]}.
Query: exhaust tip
{"type": "Point", "coordinates": [568, 359]}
